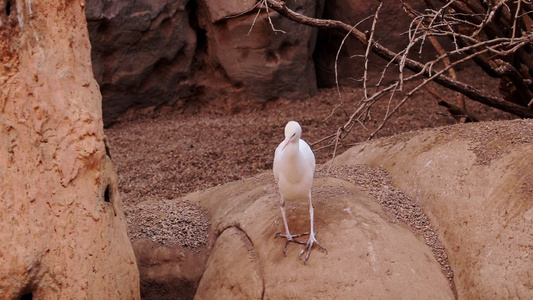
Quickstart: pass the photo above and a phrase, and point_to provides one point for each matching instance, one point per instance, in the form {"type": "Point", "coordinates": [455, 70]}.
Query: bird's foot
{"type": "Point", "coordinates": [291, 238]}
{"type": "Point", "coordinates": [309, 246]}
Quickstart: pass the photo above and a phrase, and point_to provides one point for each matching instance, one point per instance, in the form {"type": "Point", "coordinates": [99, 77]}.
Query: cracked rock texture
{"type": "Point", "coordinates": [62, 229]}
{"type": "Point", "coordinates": [474, 181]}
{"type": "Point", "coordinates": [254, 58]}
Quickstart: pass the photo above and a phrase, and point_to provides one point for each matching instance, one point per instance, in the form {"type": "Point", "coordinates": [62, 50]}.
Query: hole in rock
{"type": "Point", "coordinates": [106, 145]}
{"type": "Point", "coordinates": [8, 8]}
{"type": "Point", "coordinates": [107, 194]}
{"type": "Point", "coordinates": [28, 296]}
{"type": "Point", "coordinates": [272, 58]}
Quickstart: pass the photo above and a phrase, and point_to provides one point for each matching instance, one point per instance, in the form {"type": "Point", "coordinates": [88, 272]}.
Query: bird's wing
{"type": "Point", "coordinates": [307, 154]}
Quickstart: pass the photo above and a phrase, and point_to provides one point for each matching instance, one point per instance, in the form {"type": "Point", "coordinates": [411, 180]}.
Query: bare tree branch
{"type": "Point", "coordinates": [416, 66]}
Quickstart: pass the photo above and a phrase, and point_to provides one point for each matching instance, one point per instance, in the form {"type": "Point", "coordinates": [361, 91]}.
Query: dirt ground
{"type": "Point", "coordinates": [167, 152]}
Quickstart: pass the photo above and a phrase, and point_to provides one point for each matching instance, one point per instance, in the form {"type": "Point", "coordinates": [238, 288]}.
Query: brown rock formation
{"type": "Point", "coordinates": [252, 57]}
{"type": "Point", "coordinates": [475, 182]}
{"type": "Point", "coordinates": [159, 52]}
{"type": "Point", "coordinates": [168, 272]}
{"type": "Point", "coordinates": [62, 230]}
{"type": "Point", "coordinates": [368, 257]}
{"type": "Point", "coordinates": [142, 52]}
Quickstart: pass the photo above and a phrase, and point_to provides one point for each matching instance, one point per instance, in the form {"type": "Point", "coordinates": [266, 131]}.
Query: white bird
{"type": "Point", "coordinates": [294, 168]}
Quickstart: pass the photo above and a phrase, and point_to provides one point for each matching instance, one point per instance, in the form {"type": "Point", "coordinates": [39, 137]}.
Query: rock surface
{"type": "Point", "coordinates": [169, 271]}
{"type": "Point", "coordinates": [148, 53]}
{"type": "Point", "coordinates": [62, 228]}
{"type": "Point", "coordinates": [142, 52]}
{"type": "Point", "coordinates": [459, 202]}
{"type": "Point", "coordinates": [367, 255]}
{"type": "Point", "coordinates": [252, 57]}
{"type": "Point", "coordinates": [475, 182]}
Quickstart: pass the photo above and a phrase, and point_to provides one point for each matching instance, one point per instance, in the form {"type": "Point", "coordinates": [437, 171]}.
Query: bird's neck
{"type": "Point", "coordinates": [293, 148]}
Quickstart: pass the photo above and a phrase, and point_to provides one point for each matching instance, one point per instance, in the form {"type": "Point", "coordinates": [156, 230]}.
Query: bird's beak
{"type": "Point", "coordinates": [286, 143]}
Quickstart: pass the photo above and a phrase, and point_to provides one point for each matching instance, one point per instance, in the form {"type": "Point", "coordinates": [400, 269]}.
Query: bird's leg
{"type": "Point", "coordinates": [290, 237]}
{"type": "Point", "coordinates": [312, 240]}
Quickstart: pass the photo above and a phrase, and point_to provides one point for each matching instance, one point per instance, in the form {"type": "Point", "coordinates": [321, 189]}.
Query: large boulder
{"type": "Point", "coordinates": [475, 183]}
{"type": "Point", "coordinates": [453, 220]}
{"type": "Point", "coordinates": [63, 233]}
{"type": "Point", "coordinates": [368, 256]}
{"type": "Point", "coordinates": [142, 52]}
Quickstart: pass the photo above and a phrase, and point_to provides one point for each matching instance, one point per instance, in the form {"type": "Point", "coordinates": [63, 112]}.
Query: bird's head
{"type": "Point", "coordinates": [293, 132]}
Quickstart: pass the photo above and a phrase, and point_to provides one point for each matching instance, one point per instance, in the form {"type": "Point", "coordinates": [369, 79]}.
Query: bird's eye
{"type": "Point", "coordinates": [293, 135]}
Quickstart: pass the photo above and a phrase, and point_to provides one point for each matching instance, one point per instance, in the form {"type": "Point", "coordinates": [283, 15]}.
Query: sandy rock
{"type": "Point", "coordinates": [234, 276]}
{"type": "Point", "coordinates": [142, 52]}
{"type": "Point", "coordinates": [62, 228]}
{"type": "Point", "coordinates": [367, 257]}
{"type": "Point", "coordinates": [474, 182]}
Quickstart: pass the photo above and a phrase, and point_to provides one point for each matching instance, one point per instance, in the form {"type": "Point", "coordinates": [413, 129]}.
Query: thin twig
{"type": "Point", "coordinates": [368, 48]}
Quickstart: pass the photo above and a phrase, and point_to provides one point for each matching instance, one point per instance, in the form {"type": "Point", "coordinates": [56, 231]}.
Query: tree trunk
{"type": "Point", "coordinates": [62, 229]}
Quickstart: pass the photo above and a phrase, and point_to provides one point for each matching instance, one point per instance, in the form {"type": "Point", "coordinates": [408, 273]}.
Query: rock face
{"type": "Point", "coordinates": [63, 231]}
{"type": "Point", "coordinates": [475, 182]}
{"type": "Point", "coordinates": [148, 53]}
{"type": "Point", "coordinates": [265, 64]}
{"type": "Point", "coordinates": [142, 52]}
{"type": "Point", "coordinates": [161, 52]}
{"type": "Point", "coordinates": [367, 255]}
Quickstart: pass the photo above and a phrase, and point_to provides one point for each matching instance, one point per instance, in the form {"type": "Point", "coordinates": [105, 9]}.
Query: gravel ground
{"type": "Point", "coordinates": [169, 223]}
{"type": "Point", "coordinates": [166, 153]}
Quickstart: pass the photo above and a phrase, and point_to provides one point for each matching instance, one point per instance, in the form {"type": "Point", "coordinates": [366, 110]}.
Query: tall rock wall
{"type": "Point", "coordinates": [148, 53]}
{"type": "Point", "coordinates": [62, 229]}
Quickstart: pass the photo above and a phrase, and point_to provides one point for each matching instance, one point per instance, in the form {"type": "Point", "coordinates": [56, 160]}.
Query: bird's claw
{"type": "Point", "coordinates": [308, 246]}
{"type": "Point", "coordinates": [291, 238]}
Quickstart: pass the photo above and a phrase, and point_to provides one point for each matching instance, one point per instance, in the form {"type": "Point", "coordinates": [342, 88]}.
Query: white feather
{"type": "Point", "coordinates": [294, 164]}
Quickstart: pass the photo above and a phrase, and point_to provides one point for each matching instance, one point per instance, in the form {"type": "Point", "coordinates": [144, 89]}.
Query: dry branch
{"type": "Point", "coordinates": [504, 47]}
